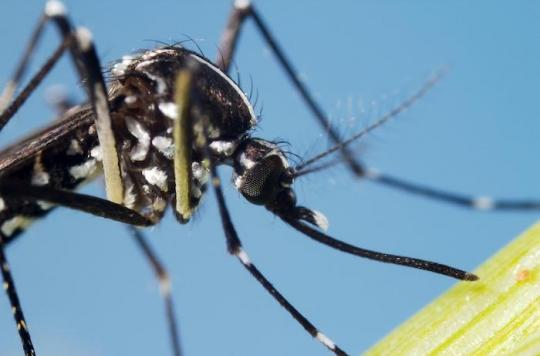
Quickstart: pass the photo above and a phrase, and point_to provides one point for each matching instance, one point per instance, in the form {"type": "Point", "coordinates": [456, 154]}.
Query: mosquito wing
{"type": "Point", "coordinates": [45, 139]}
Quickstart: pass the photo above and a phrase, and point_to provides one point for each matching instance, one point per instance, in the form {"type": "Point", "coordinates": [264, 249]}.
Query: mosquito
{"type": "Point", "coordinates": [158, 130]}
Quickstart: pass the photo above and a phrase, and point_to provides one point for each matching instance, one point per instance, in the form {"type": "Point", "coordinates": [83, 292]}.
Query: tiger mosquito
{"type": "Point", "coordinates": [158, 129]}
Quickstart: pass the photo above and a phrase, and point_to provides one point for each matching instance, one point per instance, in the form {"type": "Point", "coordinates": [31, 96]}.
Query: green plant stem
{"type": "Point", "coordinates": [497, 315]}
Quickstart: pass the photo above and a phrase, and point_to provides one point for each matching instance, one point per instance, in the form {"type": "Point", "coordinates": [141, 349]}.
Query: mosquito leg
{"type": "Point", "coordinates": [11, 291]}
{"type": "Point", "coordinates": [229, 37]}
{"type": "Point", "coordinates": [241, 11]}
{"type": "Point", "coordinates": [197, 134]}
{"type": "Point", "coordinates": [234, 246]}
{"type": "Point", "coordinates": [11, 109]}
{"type": "Point", "coordinates": [12, 84]}
{"type": "Point", "coordinates": [164, 285]}
{"type": "Point", "coordinates": [482, 203]}
{"type": "Point", "coordinates": [244, 9]}
{"type": "Point", "coordinates": [88, 67]}
{"type": "Point", "coordinates": [82, 202]}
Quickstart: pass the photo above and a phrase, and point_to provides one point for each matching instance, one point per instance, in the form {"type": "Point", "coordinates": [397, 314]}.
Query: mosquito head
{"type": "Point", "coordinates": [263, 175]}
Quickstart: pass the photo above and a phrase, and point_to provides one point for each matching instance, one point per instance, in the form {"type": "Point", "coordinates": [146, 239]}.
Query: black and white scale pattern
{"type": "Point", "coordinates": [142, 107]}
{"type": "Point", "coordinates": [68, 162]}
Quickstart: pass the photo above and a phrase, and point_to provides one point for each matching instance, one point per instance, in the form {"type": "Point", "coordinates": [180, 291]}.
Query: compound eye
{"type": "Point", "coordinates": [261, 183]}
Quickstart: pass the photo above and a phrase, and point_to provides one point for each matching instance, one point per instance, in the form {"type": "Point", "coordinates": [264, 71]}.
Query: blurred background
{"type": "Point", "coordinates": [85, 287]}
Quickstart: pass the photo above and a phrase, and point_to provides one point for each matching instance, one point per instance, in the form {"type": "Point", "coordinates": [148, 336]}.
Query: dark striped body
{"type": "Point", "coordinates": [67, 153]}
{"type": "Point", "coordinates": [71, 160]}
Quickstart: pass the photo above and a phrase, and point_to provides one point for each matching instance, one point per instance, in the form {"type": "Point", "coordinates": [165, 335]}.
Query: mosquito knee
{"type": "Point", "coordinates": [164, 283]}
{"type": "Point", "coordinates": [54, 8]}
{"type": "Point", "coordinates": [242, 4]}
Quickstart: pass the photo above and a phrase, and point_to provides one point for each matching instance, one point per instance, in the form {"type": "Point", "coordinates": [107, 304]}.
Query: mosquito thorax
{"type": "Point", "coordinates": [142, 91]}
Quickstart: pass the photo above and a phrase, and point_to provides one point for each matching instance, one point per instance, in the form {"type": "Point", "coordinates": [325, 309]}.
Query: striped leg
{"type": "Point", "coordinates": [7, 112]}
{"type": "Point", "coordinates": [77, 201]}
{"type": "Point", "coordinates": [229, 38]}
{"type": "Point", "coordinates": [164, 286]}
{"type": "Point", "coordinates": [244, 9]}
{"type": "Point", "coordinates": [87, 64]}
{"type": "Point", "coordinates": [84, 55]}
{"type": "Point", "coordinates": [11, 291]}
{"type": "Point", "coordinates": [12, 84]}
{"type": "Point", "coordinates": [481, 203]}
{"type": "Point", "coordinates": [88, 67]}
{"type": "Point", "coordinates": [234, 246]}
{"type": "Point", "coordinates": [99, 207]}
{"type": "Point", "coordinates": [95, 206]}
{"type": "Point", "coordinates": [197, 126]}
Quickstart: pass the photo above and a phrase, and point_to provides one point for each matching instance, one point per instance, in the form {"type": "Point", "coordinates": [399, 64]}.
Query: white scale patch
{"type": "Point", "coordinates": [129, 195]}
{"type": "Point", "coordinates": [130, 100]}
{"type": "Point", "coordinates": [84, 37]}
{"type": "Point", "coordinates": [139, 152]}
{"type": "Point", "coordinates": [151, 54]}
{"type": "Point", "coordinates": [45, 205]}
{"type": "Point", "coordinates": [157, 177]}
{"type": "Point", "coordinates": [146, 189]}
{"type": "Point", "coordinates": [39, 175]}
{"type": "Point", "coordinates": [74, 148]}
{"type": "Point", "coordinates": [54, 8]}
{"type": "Point", "coordinates": [164, 145]}
{"type": "Point", "coordinates": [17, 222]}
{"type": "Point", "coordinates": [243, 257]}
{"type": "Point", "coordinates": [372, 173]}
{"type": "Point", "coordinates": [237, 181]}
{"type": "Point", "coordinates": [2, 205]}
{"type": "Point", "coordinates": [84, 170]}
{"type": "Point", "coordinates": [169, 109]}
{"type": "Point", "coordinates": [483, 203]}
{"type": "Point", "coordinates": [320, 220]}
{"type": "Point", "coordinates": [97, 153]}
{"type": "Point", "coordinates": [213, 131]}
{"type": "Point", "coordinates": [242, 4]}
{"type": "Point", "coordinates": [40, 178]}
{"type": "Point", "coordinates": [120, 68]}
{"type": "Point", "coordinates": [159, 204]}
{"type": "Point", "coordinates": [161, 84]}
{"type": "Point", "coordinates": [325, 340]}
{"type": "Point", "coordinates": [200, 173]}
{"type": "Point", "coordinates": [246, 162]}
{"type": "Point", "coordinates": [7, 94]}
{"type": "Point", "coordinates": [223, 147]}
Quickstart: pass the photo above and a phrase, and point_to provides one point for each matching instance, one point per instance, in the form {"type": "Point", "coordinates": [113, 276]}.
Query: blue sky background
{"type": "Point", "coordinates": [87, 291]}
